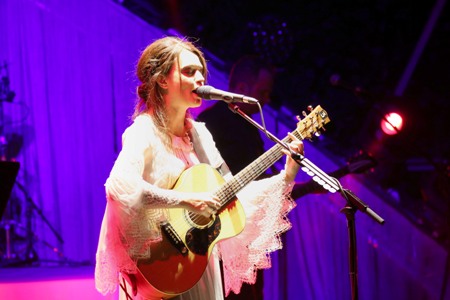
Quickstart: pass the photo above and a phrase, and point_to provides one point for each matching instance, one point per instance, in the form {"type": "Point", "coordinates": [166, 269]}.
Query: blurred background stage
{"type": "Point", "coordinates": [67, 90]}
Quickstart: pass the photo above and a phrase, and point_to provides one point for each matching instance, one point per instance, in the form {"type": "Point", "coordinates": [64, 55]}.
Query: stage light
{"type": "Point", "coordinates": [392, 123]}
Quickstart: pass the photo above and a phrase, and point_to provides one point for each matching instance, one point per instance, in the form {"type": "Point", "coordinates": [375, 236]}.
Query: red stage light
{"type": "Point", "coordinates": [392, 123]}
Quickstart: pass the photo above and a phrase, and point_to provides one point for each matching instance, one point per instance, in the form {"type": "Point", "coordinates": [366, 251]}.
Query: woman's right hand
{"type": "Point", "coordinates": [204, 204]}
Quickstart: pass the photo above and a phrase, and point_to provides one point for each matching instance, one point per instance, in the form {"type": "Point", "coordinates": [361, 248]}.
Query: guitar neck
{"type": "Point", "coordinates": [228, 191]}
{"type": "Point", "coordinates": [306, 128]}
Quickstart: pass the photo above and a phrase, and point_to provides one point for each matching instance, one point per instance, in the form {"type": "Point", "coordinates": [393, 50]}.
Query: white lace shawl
{"type": "Point", "coordinates": [138, 194]}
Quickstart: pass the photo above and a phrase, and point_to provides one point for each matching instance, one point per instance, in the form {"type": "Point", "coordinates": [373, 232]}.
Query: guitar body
{"type": "Point", "coordinates": [179, 260]}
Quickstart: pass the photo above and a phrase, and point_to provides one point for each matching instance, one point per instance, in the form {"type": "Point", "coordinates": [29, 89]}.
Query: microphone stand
{"type": "Point", "coordinates": [353, 203]}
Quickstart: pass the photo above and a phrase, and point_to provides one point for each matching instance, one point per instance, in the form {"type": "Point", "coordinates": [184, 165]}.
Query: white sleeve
{"type": "Point", "coordinates": [126, 183]}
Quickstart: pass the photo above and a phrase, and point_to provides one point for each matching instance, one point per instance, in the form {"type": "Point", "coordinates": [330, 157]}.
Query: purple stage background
{"type": "Point", "coordinates": [71, 64]}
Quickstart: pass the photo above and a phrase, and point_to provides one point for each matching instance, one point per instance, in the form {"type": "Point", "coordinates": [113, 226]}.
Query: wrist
{"type": "Point", "coordinates": [288, 176]}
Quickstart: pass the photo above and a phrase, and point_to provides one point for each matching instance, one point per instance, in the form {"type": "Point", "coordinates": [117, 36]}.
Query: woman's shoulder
{"type": "Point", "coordinates": [143, 121]}
{"type": "Point", "coordinates": [142, 124]}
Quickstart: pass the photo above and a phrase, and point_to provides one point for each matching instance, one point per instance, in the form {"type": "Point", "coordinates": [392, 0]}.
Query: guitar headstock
{"type": "Point", "coordinates": [313, 123]}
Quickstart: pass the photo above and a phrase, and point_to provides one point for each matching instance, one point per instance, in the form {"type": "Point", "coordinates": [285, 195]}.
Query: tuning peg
{"type": "Point", "coordinates": [304, 113]}
{"type": "Point", "coordinates": [298, 118]}
{"type": "Point", "coordinates": [310, 108]}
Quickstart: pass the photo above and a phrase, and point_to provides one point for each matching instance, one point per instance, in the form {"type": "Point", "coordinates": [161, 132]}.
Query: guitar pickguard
{"type": "Point", "coordinates": [198, 240]}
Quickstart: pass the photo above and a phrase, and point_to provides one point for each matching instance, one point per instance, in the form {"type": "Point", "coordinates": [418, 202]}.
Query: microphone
{"type": "Point", "coordinates": [336, 81]}
{"type": "Point", "coordinates": [209, 93]}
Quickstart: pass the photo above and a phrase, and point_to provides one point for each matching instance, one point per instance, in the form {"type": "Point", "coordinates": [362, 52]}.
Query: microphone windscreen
{"type": "Point", "coordinates": [204, 91]}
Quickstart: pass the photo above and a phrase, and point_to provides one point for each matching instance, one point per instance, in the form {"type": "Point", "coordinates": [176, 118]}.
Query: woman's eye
{"type": "Point", "coordinates": [189, 72]}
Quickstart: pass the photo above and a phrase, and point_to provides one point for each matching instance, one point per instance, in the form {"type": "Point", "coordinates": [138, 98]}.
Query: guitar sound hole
{"type": "Point", "coordinates": [199, 221]}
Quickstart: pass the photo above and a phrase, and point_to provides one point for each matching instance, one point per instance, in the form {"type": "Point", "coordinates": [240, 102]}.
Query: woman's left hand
{"type": "Point", "coordinates": [292, 166]}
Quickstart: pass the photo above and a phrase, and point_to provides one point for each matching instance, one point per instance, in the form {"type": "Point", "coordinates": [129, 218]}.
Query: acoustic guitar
{"type": "Point", "coordinates": [179, 260]}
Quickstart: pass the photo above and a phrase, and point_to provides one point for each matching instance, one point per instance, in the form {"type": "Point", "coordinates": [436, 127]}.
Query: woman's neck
{"type": "Point", "coordinates": [177, 124]}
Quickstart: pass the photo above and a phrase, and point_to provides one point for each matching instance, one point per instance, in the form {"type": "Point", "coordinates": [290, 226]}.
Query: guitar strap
{"type": "Point", "coordinates": [201, 154]}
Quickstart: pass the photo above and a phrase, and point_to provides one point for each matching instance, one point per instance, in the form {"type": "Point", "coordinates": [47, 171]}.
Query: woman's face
{"type": "Point", "coordinates": [184, 77]}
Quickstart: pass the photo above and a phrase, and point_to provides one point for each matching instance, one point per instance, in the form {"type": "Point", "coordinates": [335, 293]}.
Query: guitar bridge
{"type": "Point", "coordinates": [174, 238]}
